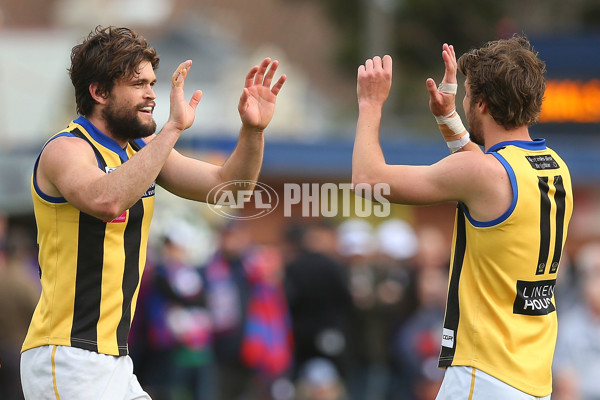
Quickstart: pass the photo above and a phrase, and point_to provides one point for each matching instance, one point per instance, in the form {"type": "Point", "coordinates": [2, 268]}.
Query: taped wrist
{"type": "Point", "coordinates": [456, 145]}
{"type": "Point", "coordinates": [451, 126]}
{"type": "Point", "coordinates": [454, 132]}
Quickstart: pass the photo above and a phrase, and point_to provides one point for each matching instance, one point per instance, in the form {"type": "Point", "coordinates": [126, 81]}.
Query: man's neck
{"type": "Point", "coordinates": [495, 134]}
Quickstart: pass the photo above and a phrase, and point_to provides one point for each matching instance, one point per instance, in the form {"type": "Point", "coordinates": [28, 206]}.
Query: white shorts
{"type": "Point", "coordinates": [68, 373]}
{"type": "Point", "coordinates": [468, 383]}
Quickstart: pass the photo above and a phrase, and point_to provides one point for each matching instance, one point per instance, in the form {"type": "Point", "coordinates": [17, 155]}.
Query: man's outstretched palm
{"type": "Point", "coordinates": [257, 102]}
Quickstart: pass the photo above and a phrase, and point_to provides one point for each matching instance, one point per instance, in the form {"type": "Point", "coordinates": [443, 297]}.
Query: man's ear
{"type": "Point", "coordinates": [482, 106]}
{"type": "Point", "coordinates": [97, 93]}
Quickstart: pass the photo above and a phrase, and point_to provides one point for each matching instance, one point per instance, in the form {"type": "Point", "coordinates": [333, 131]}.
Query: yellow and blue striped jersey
{"type": "Point", "coordinates": [90, 269]}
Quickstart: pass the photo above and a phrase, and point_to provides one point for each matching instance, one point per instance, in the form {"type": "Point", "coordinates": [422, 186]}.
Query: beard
{"type": "Point", "coordinates": [124, 123]}
{"type": "Point", "coordinates": [475, 129]}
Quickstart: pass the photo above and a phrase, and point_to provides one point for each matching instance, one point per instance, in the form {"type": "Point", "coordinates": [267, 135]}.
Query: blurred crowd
{"type": "Point", "coordinates": [345, 311]}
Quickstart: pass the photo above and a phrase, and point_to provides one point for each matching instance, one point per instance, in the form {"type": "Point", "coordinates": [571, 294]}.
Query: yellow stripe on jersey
{"type": "Point", "coordinates": [90, 269]}
{"type": "Point", "coordinates": [500, 313]}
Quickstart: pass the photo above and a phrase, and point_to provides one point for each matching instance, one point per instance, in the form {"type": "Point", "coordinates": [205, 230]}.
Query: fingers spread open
{"type": "Point", "coordinates": [271, 73]}
{"type": "Point", "coordinates": [258, 78]}
{"type": "Point", "coordinates": [277, 87]}
{"type": "Point", "coordinates": [250, 76]}
{"type": "Point", "coordinates": [263, 74]}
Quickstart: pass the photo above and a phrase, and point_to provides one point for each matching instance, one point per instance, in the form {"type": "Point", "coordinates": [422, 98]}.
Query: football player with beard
{"type": "Point", "coordinates": [93, 194]}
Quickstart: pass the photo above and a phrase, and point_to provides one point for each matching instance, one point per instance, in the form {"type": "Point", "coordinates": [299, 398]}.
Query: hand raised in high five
{"type": "Point", "coordinates": [442, 99]}
{"type": "Point", "coordinates": [182, 113]}
{"type": "Point", "coordinates": [374, 80]}
{"type": "Point", "coordinates": [257, 102]}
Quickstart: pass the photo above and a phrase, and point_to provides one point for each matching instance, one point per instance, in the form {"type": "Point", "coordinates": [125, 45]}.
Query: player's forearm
{"type": "Point", "coordinates": [245, 161]}
{"type": "Point", "coordinates": [367, 157]}
{"type": "Point", "coordinates": [124, 186]}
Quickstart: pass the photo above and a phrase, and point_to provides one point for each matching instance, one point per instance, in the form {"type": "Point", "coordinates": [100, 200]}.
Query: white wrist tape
{"type": "Point", "coordinates": [450, 88]}
{"type": "Point", "coordinates": [454, 132]}
{"type": "Point", "coordinates": [451, 126]}
{"type": "Point", "coordinates": [456, 145]}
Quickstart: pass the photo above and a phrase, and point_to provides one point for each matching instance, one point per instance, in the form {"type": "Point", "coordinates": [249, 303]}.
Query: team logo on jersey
{"type": "Point", "coordinates": [534, 298]}
{"type": "Point", "coordinates": [150, 191]}
{"type": "Point", "coordinates": [542, 162]}
{"type": "Point", "coordinates": [120, 219]}
{"type": "Point", "coordinates": [448, 338]}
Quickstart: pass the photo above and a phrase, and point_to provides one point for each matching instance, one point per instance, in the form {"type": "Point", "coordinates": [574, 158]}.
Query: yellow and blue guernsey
{"type": "Point", "coordinates": [500, 313]}
{"type": "Point", "coordinates": [90, 269]}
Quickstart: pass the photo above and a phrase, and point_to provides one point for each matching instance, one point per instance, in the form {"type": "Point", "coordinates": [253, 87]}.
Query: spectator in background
{"type": "Point", "coordinates": [172, 327]}
{"type": "Point", "coordinates": [3, 237]}
{"type": "Point", "coordinates": [577, 358]}
{"type": "Point", "coordinates": [380, 268]}
{"type": "Point", "coordinates": [251, 322]}
{"type": "Point", "coordinates": [416, 343]}
{"type": "Point", "coordinates": [320, 303]}
{"type": "Point", "coordinates": [399, 247]}
{"type": "Point", "coordinates": [434, 248]}
{"type": "Point", "coordinates": [18, 296]}
{"type": "Point", "coordinates": [319, 380]}
{"type": "Point", "coordinates": [321, 237]}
